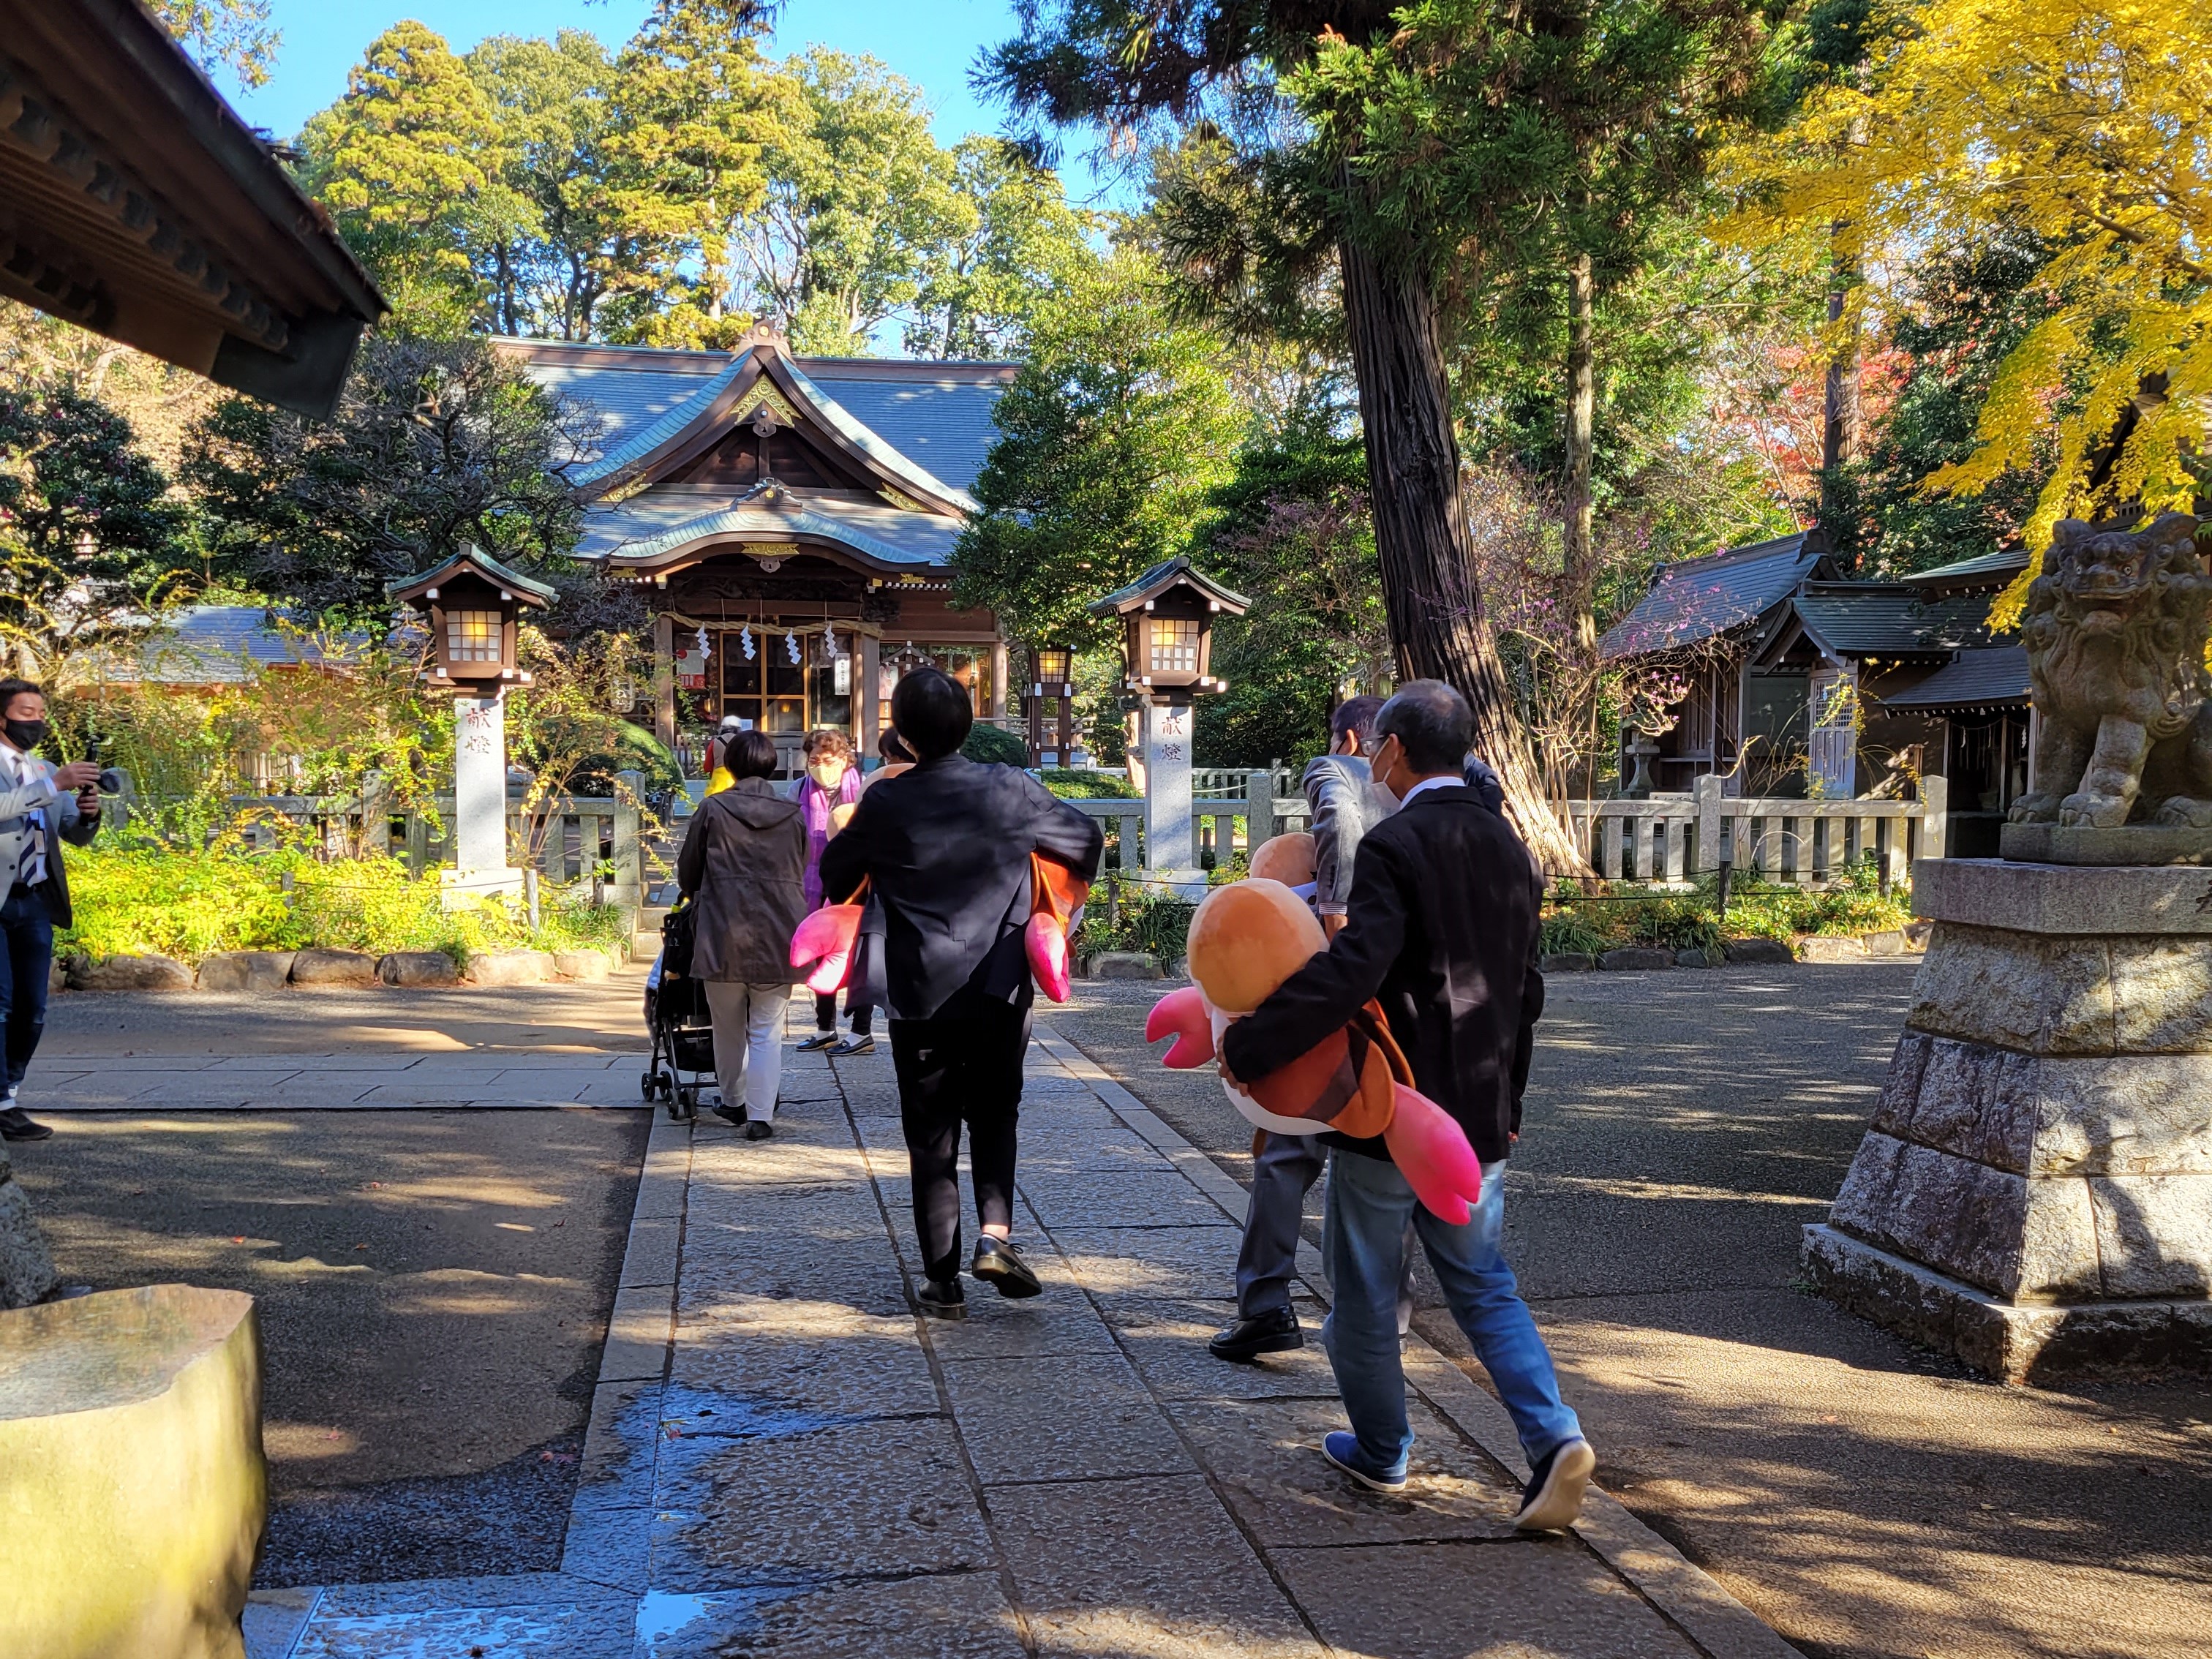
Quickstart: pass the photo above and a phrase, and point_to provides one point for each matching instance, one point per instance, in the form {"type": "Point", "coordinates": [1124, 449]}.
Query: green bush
{"type": "Point", "coordinates": [1122, 915]}
{"type": "Point", "coordinates": [139, 896]}
{"type": "Point", "coordinates": [990, 743]}
{"type": "Point", "coordinates": [1087, 785]}
{"type": "Point", "coordinates": [1595, 917]}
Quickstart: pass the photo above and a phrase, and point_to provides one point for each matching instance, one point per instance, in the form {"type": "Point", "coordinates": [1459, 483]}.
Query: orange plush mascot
{"type": "Point", "coordinates": [826, 939]}
{"type": "Point", "coordinates": [1245, 940]}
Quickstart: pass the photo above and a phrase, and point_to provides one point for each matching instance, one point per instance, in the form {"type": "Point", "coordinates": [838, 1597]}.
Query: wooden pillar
{"type": "Point", "coordinates": [868, 660]}
{"type": "Point", "coordinates": [664, 679]}
{"type": "Point", "coordinates": [998, 679]}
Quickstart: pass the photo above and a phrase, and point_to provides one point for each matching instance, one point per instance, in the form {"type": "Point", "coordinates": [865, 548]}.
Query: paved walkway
{"type": "Point", "coordinates": [783, 1461]}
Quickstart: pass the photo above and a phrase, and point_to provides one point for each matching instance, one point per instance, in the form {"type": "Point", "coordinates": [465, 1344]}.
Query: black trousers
{"type": "Point", "coordinates": [965, 1066]}
{"type": "Point", "coordinates": [825, 1012]}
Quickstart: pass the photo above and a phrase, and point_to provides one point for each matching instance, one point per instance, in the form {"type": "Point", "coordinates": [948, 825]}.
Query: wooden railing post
{"type": "Point", "coordinates": [628, 854]}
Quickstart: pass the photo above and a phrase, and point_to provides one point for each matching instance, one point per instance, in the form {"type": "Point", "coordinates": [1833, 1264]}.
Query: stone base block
{"type": "Point", "coordinates": [132, 1490]}
{"type": "Point", "coordinates": [26, 1267]}
{"type": "Point", "coordinates": [1767, 952]}
{"type": "Point", "coordinates": [1630, 959]}
{"type": "Point", "coordinates": [246, 971]}
{"type": "Point", "coordinates": [319, 966]}
{"type": "Point", "coordinates": [1122, 964]}
{"type": "Point", "coordinates": [2133, 843]}
{"type": "Point", "coordinates": [2012, 1342]}
{"type": "Point", "coordinates": [518, 966]}
{"type": "Point", "coordinates": [131, 973]}
{"type": "Point", "coordinates": [413, 968]}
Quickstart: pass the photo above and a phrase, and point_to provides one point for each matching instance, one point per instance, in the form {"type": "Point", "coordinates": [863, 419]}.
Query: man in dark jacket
{"type": "Point", "coordinates": [945, 846]}
{"type": "Point", "coordinates": [742, 863]}
{"type": "Point", "coordinates": [1440, 930]}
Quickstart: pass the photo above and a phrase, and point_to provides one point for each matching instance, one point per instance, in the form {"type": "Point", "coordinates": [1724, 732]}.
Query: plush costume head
{"type": "Point", "coordinates": [1288, 858]}
{"type": "Point", "coordinates": [1245, 940]}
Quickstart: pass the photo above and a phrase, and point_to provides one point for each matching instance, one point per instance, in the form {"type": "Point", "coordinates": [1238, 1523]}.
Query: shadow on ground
{"type": "Point", "coordinates": [432, 1288]}
{"type": "Point", "coordinates": [1869, 1500]}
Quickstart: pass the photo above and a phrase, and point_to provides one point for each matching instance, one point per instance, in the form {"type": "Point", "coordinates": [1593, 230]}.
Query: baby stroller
{"type": "Point", "coordinates": [676, 1014]}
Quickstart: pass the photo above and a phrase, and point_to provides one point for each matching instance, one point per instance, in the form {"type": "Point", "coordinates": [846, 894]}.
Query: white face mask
{"type": "Point", "coordinates": [829, 773]}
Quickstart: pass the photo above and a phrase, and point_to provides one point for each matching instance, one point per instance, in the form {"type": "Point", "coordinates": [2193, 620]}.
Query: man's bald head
{"type": "Point", "coordinates": [1434, 726]}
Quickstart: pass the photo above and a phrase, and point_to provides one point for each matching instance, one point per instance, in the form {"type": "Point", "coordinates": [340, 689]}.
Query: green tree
{"type": "Point", "coordinates": [1292, 528]}
{"type": "Point", "coordinates": [1111, 439]}
{"type": "Point", "coordinates": [859, 200]}
{"type": "Point", "coordinates": [436, 444]}
{"type": "Point", "coordinates": [1432, 142]}
{"type": "Point", "coordinates": [412, 164]}
{"type": "Point", "coordinates": [230, 34]}
{"type": "Point", "coordinates": [89, 538]}
{"type": "Point", "coordinates": [1011, 244]}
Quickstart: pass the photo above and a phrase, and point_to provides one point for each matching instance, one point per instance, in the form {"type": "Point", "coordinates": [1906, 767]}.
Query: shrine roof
{"type": "Point", "coordinates": [1697, 599]}
{"type": "Point", "coordinates": [659, 526]}
{"type": "Point", "coordinates": [1987, 677]}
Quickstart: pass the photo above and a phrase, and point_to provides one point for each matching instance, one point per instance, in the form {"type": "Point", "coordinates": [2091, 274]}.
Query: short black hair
{"type": "Point", "coordinates": [12, 688]}
{"type": "Point", "coordinates": [1357, 716]}
{"type": "Point", "coordinates": [1432, 724]}
{"type": "Point", "coordinates": [931, 713]}
{"type": "Point", "coordinates": [889, 746]}
{"type": "Point", "coordinates": [750, 754]}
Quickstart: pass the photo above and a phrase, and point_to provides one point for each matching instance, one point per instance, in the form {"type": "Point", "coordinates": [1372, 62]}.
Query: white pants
{"type": "Point", "coordinates": [748, 1043]}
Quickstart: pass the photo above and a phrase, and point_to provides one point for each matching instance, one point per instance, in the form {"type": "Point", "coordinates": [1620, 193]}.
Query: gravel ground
{"type": "Point", "coordinates": [433, 1285]}
{"type": "Point", "coordinates": [1869, 1500]}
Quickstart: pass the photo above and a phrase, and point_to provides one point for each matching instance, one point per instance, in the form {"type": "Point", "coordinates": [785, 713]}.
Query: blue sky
{"type": "Point", "coordinates": [930, 42]}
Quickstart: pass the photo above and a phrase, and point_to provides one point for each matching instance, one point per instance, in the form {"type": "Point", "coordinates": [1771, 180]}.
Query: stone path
{"type": "Point", "coordinates": [783, 1461]}
{"type": "Point", "coordinates": [521, 1079]}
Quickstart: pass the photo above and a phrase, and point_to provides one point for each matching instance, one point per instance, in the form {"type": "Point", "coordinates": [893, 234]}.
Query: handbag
{"type": "Point", "coordinates": [679, 934]}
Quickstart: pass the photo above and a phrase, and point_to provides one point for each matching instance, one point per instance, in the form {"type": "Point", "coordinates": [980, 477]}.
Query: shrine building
{"type": "Point", "coordinates": [793, 519]}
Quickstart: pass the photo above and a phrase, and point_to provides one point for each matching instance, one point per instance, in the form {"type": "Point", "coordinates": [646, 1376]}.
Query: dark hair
{"type": "Point", "coordinates": [750, 754]}
{"type": "Point", "coordinates": [12, 688]}
{"type": "Point", "coordinates": [889, 746]}
{"type": "Point", "coordinates": [1356, 715]}
{"type": "Point", "coordinates": [931, 713]}
{"type": "Point", "coordinates": [1432, 724]}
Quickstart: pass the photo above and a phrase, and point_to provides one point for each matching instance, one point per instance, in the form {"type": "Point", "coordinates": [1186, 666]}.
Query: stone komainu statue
{"type": "Point", "coordinates": [2115, 635]}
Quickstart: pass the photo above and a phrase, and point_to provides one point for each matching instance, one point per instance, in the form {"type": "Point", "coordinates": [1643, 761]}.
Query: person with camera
{"type": "Point", "coordinates": [41, 805]}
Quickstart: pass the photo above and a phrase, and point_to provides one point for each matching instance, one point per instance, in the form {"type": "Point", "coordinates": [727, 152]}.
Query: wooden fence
{"type": "Point", "coordinates": [1675, 838]}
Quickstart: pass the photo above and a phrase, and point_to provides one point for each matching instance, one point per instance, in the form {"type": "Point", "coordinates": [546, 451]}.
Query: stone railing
{"type": "Point", "coordinates": [1224, 819]}
{"type": "Point", "coordinates": [1675, 838]}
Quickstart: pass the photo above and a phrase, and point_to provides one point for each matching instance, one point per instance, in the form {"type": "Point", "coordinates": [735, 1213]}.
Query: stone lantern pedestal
{"type": "Point", "coordinates": [2034, 1194]}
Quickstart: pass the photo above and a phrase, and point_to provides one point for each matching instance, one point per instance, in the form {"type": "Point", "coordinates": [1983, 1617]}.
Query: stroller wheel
{"type": "Point", "coordinates": [648, 1086]}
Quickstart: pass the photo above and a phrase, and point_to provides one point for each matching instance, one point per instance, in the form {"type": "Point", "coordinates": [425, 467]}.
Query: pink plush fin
{"type": "Point", "coordinates": [1045, 941]}
{"type": "Point", "coordinates": [1430, 1150]}
{"type": "Point", "coordinates": [826, 938]}
{"type": "Point", "coordinates": [1182, 1014]}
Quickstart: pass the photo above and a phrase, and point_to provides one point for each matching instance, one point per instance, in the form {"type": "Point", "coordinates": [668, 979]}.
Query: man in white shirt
{"type": "Point", "coordinates": [41, 805]}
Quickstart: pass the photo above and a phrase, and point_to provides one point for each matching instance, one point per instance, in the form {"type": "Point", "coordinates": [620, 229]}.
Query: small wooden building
{"type": "Point", "coordinates": [1803, 684]}
{"type": "Point", "coordinates": [791, 519]}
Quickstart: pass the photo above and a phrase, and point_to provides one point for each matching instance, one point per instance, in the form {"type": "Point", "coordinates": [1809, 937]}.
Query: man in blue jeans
{"type": "Point", "coordinates": [1441, 931]}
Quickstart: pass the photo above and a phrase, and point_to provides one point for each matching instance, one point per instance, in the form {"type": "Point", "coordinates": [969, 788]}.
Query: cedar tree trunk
{"type": "Point", "coordinates": [1582, 413]}
{"type": "Point", "coordinates": [1436, 622]}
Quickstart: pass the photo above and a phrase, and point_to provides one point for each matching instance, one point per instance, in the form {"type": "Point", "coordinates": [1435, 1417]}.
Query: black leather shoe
{"type": "Point", "coordinates": [759, 1128]}
{"type": "Point", "coordinates": [15, 1124]}
{"type": "Point", "coordinates": [819, 1039]}
{"type": "Point", "coordinates": [1000, 1265]}
{"type": "Point", "coordinates": [1275, 1331]}
{"type": "Point", "coordinates": [942, 1301]}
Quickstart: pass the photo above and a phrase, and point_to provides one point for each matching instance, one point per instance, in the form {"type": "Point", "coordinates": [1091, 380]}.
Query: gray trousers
{"type": "Point", "coordinates": [1268, 1259]}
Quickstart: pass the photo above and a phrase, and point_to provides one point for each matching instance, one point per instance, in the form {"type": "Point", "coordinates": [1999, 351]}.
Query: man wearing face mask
{"type": "Point", "coordinates": [41, 805]}
{"type": "Point", "coordinates": [1441, 931]}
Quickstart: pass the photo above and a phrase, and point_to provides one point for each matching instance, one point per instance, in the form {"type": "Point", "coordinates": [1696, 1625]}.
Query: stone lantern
{"type": "Point", "coordinates": [1054, 683]}
{"type": "Point", "coordinates": [474, 605]}
{"type": "Point", "coordinates": [1167, 618]}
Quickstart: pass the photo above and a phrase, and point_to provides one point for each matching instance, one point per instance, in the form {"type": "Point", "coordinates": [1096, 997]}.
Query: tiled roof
{"type": "Point", "coordinates": [1998, 568]}
{"type": "Point", "coordinates": [1880, 619]}
{"type": "Point", "coordinates": [937, 416]}
{"type": "Point", "coordinates": [1700, 598]}
{"type": "Point", "coordinates": [1160, 578]}
{"type": "Point", "coordinates": [212, 645]}
{"type": "Point", "coordinates": [660, 521]}
{"type": "Point", "coordinates": [1991, 675]}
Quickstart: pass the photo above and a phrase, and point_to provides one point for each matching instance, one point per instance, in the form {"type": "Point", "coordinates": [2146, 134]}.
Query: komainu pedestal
{"type": "Point", "coordinates": [2035, 1193]}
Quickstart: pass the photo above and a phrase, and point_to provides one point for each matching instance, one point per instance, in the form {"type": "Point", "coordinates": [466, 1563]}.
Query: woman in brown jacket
{"type": "Point", "coordinates": [744, 865]}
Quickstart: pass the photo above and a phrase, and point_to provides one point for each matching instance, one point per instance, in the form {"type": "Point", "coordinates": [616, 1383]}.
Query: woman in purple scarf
{"type": "Point", "coordinates": [826, 796]}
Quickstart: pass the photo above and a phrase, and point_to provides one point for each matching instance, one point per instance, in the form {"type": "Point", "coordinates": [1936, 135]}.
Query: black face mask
{"type": "Point", "coordinates": [26, 735]}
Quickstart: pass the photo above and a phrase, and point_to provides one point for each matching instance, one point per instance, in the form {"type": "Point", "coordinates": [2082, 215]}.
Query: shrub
{"type": "Point", "coordinates": [1087, 785]}
{"type": "Point", "coordinates": [990, 743]}
{"type": "Point", "coordinates": [1122, 915]}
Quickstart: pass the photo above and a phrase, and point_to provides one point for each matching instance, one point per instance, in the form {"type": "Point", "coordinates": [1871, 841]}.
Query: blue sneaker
{"type": "Point", "coordinates": [1342, 1449]}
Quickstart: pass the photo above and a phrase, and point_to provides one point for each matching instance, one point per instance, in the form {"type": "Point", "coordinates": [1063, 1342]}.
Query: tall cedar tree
{"type": "Point", "coordinates": [1442, 134]}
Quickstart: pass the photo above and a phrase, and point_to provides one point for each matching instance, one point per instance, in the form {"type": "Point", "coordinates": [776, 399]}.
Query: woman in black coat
{"type": "Point", "coordinates": [744, 865]}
